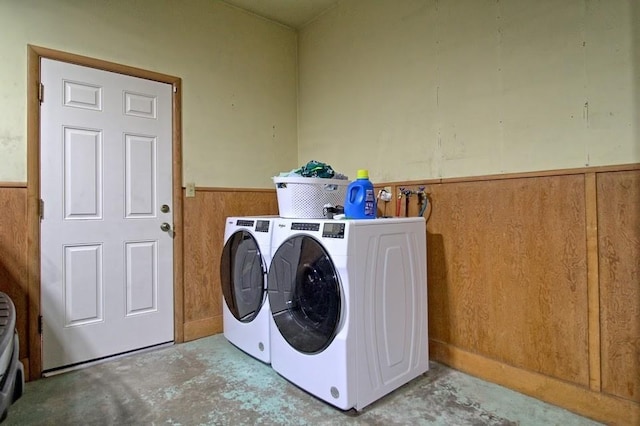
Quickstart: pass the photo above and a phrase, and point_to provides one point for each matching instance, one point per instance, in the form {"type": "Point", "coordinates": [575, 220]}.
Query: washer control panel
{"type": "Point", "coordinates": [333, 230]}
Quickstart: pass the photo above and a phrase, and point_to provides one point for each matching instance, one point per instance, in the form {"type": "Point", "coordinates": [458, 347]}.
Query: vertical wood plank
{"type": "Point", "coordinates": [202, 220]}
{"type": "Point", "coordinates": [507, 272]}
{"type": "Point", "coordinates": [593, 291]}
{"type": "Point", "coordinates": [13, 257]}
{"type": "Point", "coordinates": [619, 262]}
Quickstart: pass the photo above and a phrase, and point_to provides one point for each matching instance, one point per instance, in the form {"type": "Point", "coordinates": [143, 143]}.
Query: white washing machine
{"type": "Point", "coordinates": [349, 306]}
{"type": "Point", "coordinates": [243, 274]}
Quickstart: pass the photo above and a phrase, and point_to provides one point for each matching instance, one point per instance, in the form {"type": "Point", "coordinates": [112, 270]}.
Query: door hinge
{"type": "Point", "coordinates": [39, 324]}
{"type": "Point", "coordinates": [41, 93]}
{"type": "Point", "coordinates": [41, 208]}
{"type": "Point", "coordinates": [175, 89]}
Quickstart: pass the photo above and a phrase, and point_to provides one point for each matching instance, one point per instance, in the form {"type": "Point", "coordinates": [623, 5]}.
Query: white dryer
{"type": "Point", "coordinates": [349, 306]}
{"type": "Point", "coordinates": [243, 275]}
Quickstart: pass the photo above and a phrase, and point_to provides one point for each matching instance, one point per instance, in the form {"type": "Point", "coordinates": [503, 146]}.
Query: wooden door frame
{"type": "Point", "coordinates": [34, 54]}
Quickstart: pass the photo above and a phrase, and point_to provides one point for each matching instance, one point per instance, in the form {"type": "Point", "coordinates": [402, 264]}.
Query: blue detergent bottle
{"type": "Point", "coordinates": [360, 202]}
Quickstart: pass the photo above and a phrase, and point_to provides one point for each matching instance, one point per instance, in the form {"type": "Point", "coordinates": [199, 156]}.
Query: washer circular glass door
{"type": "Point", "coordinates": [304, 294]}
{"type": "Point", "coordinates": [242, 276]}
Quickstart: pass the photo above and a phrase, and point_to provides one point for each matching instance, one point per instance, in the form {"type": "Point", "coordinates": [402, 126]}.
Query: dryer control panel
{"type": "Point", "coordinates": [262, 226]}
{"type": "Point", "coordinates": [301, 226]}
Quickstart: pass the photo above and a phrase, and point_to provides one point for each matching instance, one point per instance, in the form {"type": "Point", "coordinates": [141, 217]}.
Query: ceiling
{"type": "Point", "coordinates": [292, 13]}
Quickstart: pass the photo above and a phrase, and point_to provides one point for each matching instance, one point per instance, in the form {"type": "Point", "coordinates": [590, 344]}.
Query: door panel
{"type": "Point", "coordinates": [82, 284]}
{"type": "Point", "coordinates": [82, 95]}
{"type": "Point", "coordinates": [82, 173]}
{"type": "Point", "coordinates": [140, 105]}
{"type": "Point", "coordinates": [106, 168]}
{"type": "Point", "coordinates": [142, 283]}
{"type": "Point", "coordinates": [140, 176]}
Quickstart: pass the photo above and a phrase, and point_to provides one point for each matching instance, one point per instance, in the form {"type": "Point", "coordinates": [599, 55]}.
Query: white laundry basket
{"type": "Point", "coordinates": [305, 198]}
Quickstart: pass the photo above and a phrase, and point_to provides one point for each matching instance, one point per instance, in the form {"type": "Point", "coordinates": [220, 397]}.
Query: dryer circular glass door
{"type": "Point", "coordinates": [304, 294]}
{"type": "Point", "coordinates": [242, 276]}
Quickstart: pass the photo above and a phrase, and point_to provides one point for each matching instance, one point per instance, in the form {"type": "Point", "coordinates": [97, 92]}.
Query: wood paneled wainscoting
{"type": "Point", "coordinates": [534, 283]}
{"type": "Point", "coordinates": [13, 258]}
{"type": "Point", "coordinates": [204, 224]}
{"type": "Point", "coordinates": [534, 278]}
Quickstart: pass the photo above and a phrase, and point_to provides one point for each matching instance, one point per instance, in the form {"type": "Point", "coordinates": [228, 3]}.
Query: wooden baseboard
{"type": "Point", "coordinates": [202, 328]}
{"type": "Point", "coordinates": [601, 407]}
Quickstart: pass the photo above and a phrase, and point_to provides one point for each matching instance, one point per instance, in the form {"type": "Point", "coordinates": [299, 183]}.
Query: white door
{"type": "Point", "coordinates": [105, 170]}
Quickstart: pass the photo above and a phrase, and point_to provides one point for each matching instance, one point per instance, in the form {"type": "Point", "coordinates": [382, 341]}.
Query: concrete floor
{"type": "Point", "coordinates": [210, 382]}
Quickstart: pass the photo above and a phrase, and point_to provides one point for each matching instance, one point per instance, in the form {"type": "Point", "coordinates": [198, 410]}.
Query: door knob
{"type": "Point", "coordinates": [165, 227]}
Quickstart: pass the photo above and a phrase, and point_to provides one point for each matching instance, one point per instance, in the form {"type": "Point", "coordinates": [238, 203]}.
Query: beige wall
{"type": "Point", "coordinates": [410, 89]}
{"type": "Point", "coordinates": [417, 89]}
{"type": "Point", "coordinates": [238, 71]}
